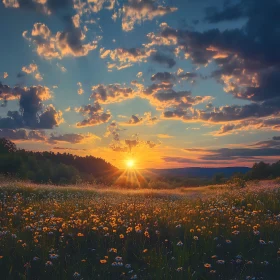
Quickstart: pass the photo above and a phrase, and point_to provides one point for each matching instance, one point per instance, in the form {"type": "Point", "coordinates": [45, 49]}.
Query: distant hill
{"type": "Point", "coordinates": [199, 172]}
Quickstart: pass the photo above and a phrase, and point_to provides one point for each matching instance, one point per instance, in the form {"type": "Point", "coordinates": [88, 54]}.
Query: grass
{"type": "Point", "coordinates": [83, 232]}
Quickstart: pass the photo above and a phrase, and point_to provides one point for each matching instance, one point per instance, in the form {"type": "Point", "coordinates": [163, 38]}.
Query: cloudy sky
{"type": "Point", "coordinates": [168, 83]}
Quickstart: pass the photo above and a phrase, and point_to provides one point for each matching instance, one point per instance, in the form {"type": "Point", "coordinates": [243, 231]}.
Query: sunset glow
{"type": "Point", "coordinates": [130, 163]}
{"type": "Point", "coordinates": [169, 82]}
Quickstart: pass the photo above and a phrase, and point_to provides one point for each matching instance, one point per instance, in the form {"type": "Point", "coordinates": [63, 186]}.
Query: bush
{"type": "Point", "coordinates": [237, 182]}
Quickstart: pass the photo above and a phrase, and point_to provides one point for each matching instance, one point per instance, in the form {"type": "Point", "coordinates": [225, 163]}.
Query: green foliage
{"type": "Point", "coordinates": [45, 167]}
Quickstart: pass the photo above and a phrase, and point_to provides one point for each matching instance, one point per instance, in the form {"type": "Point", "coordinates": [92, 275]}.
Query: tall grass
{"type": "Point", "coordinates": [76, 233]}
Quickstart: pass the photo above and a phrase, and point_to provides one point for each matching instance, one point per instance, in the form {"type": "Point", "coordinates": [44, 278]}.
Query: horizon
{"type": "Point", "coordinates": [152, 84]}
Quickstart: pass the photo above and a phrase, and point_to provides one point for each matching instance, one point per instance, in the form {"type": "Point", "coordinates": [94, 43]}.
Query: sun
{"type": "Point", "coordinates": [130, 163]}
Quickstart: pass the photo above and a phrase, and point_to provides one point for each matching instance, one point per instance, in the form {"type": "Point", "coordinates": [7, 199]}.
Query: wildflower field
{"type": "Point", "coordinates": [73, 233]}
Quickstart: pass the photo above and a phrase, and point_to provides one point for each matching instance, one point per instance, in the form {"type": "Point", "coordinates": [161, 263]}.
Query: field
{"type": "Point", "coordinates": [49, 232]}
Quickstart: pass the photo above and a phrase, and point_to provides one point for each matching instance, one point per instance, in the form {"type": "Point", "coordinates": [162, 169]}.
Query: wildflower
{"type": "Point", "coordinates": [80, 234]}
{"type": "Point", "coordinates": [48, 263]}
{"type": "Point", "coordinates": [118, 259]}
{"type": "Point", "coordinates": [117, 264]}
{"type": "Point", "coordinates": [114, 250]}
{"type": "Point", "coordinates": [195, 238]}
{"type": "Point", "coordinates": [134, 276]}
{"type": "Point", "coordinates": [236, 232]}
{"type": "Point", "coordinates": [76, 275]}
{"type": "Point", "coordinates": [121, 236]}
{"type": "Point", "coordinates": [146, 233]}
{"type": "Point", "coordinates": [180, 243]}
{"type": "Point", "coordinates": [207, 265]}
{"type": "Point", "coordinates": [103, 261]}
{"type": "Point", "coordinates": [53, 256]}
{"type": "Point", "coordinates": [127, 265]}
{"type": "Point", "coordinates": [145, 250]}
{"type": "Point", "coordinates": [262, 242]}
{"type": "Point", "coordinates": [179, 269]}
{"type": "Point", "coordinates": [228, 241]}
{"type": "Point", "coordinates": [36, 259]}
{"type": "Point", "coordinates": [212, 271]}
{"type": "Point", "coordinates": [220, 262]}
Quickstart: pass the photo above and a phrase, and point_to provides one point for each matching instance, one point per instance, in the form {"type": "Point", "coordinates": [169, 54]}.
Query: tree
{"type": "Point", "coordinates": [7, 146]}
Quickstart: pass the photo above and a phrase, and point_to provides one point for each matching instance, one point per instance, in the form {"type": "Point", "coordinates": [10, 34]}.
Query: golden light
{"type": "Point", "coordinates": [130, 163]}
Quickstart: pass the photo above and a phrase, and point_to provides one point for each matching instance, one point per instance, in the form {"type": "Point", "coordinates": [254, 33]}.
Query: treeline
{"type": "Point", "coordinates": [259, 171]}
{"type": "Point", "coordinates": [49, 167]}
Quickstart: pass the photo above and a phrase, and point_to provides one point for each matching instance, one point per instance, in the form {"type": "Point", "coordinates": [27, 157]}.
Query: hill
{"type": "Point", "coordinates": [199, 172]}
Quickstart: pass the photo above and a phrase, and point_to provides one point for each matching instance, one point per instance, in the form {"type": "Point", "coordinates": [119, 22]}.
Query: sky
{"type": "Point", "coordinates": [175, 83]}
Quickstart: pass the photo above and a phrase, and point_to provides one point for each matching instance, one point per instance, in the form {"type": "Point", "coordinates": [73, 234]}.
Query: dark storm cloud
{"type": "Point", "coordinates": [32, 114]}
{"type": "Point", "coordinates": [164, 77]}
{"type": "Point", "coordinates": [22, 134]}
{"type": "Point", "coordinates": [163, 59]}
{"type": "Point", "coordinates": [248, 59]}
{"type": "Point", "coordinates": [234, 12]}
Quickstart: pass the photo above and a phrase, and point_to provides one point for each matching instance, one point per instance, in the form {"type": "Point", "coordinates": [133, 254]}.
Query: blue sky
{"type": "Point", "coordinates": [167, 83]}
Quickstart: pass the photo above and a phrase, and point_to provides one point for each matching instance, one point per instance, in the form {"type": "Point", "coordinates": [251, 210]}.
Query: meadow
{"type": "Point", "coordinates": [85, 232]}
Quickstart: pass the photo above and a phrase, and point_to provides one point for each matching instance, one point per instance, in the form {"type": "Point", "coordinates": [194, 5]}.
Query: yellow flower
{"type": "Point", "coordinates": [103, 261]}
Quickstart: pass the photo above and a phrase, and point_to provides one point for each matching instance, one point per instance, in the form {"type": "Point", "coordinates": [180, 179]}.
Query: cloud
{"type": "Point", "coordinates": [32, 114]}
{"type": "Point", "coordinates": [165, 136]}
{"type": "Point", "coordinates": [163, 59]}
{"type": "Point", "coordinates": [123, 58]}
{"type": "Point", "coordinates": [22, 135]}
{"type": "Point", "coordinates": [113, 130]}
{"type": "Point", "coordinates": [5, 75]}
{"type": "Point", "coordinates": [61, 68]}
{"type": "Point", "coordinates": [138, 11]}
{"type": "Point", "coordinates": [95, 115]}
{"type": "Point", "coordinates": [73, 138]}
{"type": "Point", "coordinates": [225, 114]}
{"type": "Point", "coordinates": [248, 154]}
{"type": "Point", "coordinates": [162, 95]}
{"type": "Point", "coordinates": [146, 119]}
{"type": "Point", "coordinates": [267, 124]}
{"type": "Point", "coordinates": [32, 69]}
{"type": "Point", "coordinates": [61, 44]}
{"type": "Point", "coordinates": [128, 145]}
{"type": "Point", "coordinates": [80, 89]}
{"type": "Point", "coordinates": [44, 6]}
{"type": "Point", "coordinates": [163, 77]}
{"type": "Point", "coordinates": [167, 77]}
{"type": "Point", "coordinates": [112, 93]}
